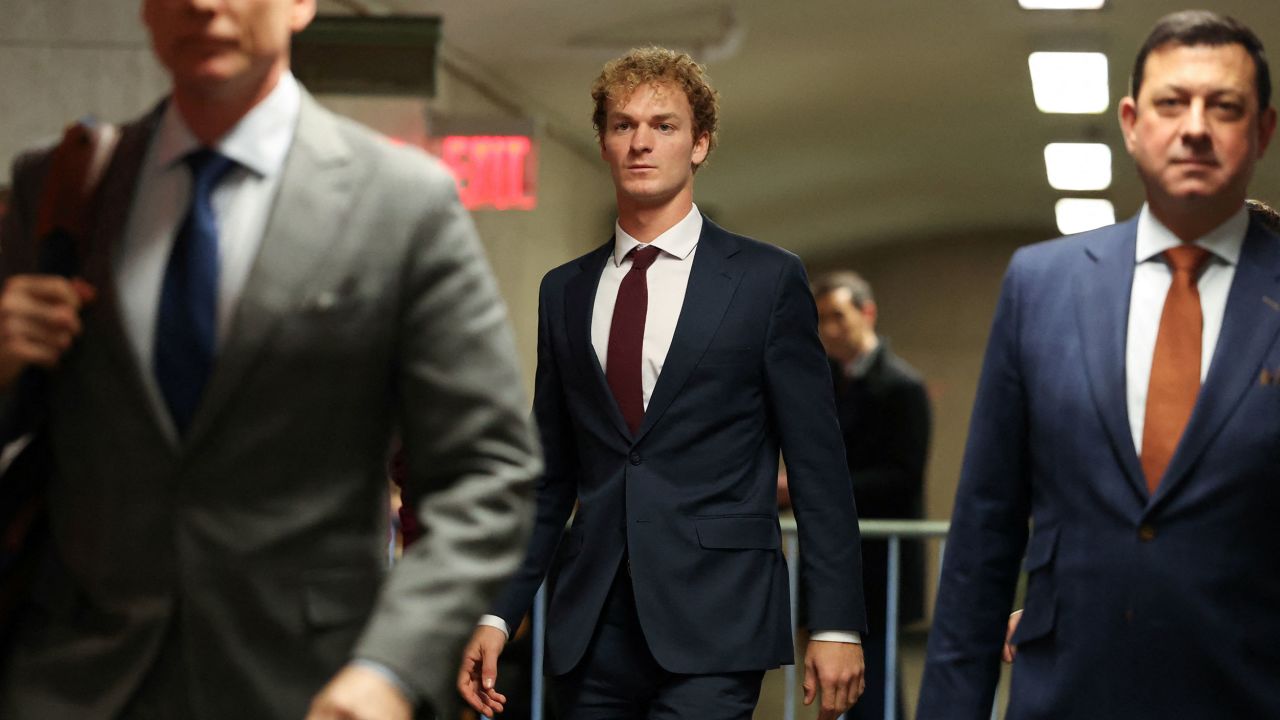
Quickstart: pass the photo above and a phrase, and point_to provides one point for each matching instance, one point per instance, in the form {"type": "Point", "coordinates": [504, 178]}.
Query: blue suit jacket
{"type": "Point", "coordinates": [692, 496]}
{"type": "Point", "coordinates": [1137, 606]}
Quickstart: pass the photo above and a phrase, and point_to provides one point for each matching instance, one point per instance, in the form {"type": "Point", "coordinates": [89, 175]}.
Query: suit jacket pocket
{"type": "Point", "coordinates": [738, 532]}
{"type": "Point", "coordinates": [1040, 611]}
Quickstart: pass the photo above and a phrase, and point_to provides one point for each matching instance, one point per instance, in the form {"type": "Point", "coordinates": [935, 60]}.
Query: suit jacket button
{"type": "Point", "coordinates": [635, 458]}
{"type": "Point", "coordinates": [1146, 533]}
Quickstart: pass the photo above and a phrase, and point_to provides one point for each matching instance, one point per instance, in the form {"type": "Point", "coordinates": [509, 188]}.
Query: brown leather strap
{"type": "Point", "coordinates": [75, 169]}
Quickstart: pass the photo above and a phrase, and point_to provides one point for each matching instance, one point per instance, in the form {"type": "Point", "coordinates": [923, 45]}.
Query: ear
{"type": "Point", "coordinates": [301, 15]}
{"type": "Point", "coordinates": [1266, 127]}
{"type": "Point", "coordinates": [701, 147]}
{"type": "Point", "coordinates": [870, 312]}
{"type": "Point", "coordinates": [1128, 112]}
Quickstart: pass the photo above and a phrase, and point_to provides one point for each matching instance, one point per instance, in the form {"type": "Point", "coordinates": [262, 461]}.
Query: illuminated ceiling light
{"type": "Point", "coordinates": [1081, 214]}
{"type": "Point", "coordinates": [1078, 166]}
{"type": "Point", "coordinates": [1069, 82]}
{"type": "Point", "coordinates": [1062, 4]}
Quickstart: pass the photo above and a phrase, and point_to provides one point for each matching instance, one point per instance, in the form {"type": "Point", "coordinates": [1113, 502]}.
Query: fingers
{"type": "Point", "coordinates": [1010, 651]}
{"type": "Point", "coordinates": [810, 681]}
{"type": "Point", "coordinates": [358, 693]}
{"type": "Point", "coordinates": [39, 320]}
{"type": "Point", "coordinates": [836, 670]}
{"type": "Point", "coordinates": [478, 674]}
{"type": "Point", "coordinates": [86, 292]}
{"type": "Point", "coordinates": [469, 684]}
{"type": "Point", "coordinates": [489, 666]}
{"type": "Point", "coordinates": [840, 688]}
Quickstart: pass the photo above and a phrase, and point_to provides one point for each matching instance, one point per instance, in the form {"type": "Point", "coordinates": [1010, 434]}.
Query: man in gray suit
{"type": "Point", "coordinates": [268, 293]}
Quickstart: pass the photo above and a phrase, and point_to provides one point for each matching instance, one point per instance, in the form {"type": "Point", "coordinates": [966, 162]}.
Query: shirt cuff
{"type": "Point", "coordinates": [497, 622]}
{"type": "Point", "coordinates": [390, 676]}
{"type": "Point", "coordinates": [843, 636]}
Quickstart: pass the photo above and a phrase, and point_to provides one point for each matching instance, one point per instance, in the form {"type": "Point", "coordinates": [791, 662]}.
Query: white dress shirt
{"type": "Point", "coordinates": [242, 204]}
{"type": "Point", "coordinates": [667, 280]}
{"type": "Point", "coordinates": [1152, 277]}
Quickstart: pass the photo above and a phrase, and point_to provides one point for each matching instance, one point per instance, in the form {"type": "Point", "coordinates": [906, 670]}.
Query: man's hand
{"type": "Point", "coordinates": [1011, 650]}
{"type": "Point", "coordinates": [358, 693]}
{"type": "Point", "coordinates": [835, 669]}
{"type": "Point", "coordinates": [478, 676]}
{"type": "Point", "coordinates": [39, 319]}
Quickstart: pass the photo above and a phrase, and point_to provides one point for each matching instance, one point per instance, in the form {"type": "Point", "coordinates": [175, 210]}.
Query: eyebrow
{"type": "Point", "coordinates": [660, 117]}
{"type": "Point", "coordinates": [1225, 90]}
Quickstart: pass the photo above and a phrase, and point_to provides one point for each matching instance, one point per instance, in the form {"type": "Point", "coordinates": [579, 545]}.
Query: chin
{"type": "Point", "coordinates": [210, 70]}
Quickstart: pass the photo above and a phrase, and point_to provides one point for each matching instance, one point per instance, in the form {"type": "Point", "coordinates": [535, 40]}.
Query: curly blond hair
{"type": "Point", "coordinates": [621, 76]}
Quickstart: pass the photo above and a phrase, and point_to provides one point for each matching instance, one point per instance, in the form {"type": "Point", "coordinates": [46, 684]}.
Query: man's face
{"type": "Point", "coordinates": [1195, 130]}
{"type": "Point", "coordinates": [842, 327]}
{"type": "Point", "coordinates": [649, 145]}
{"type": "Point", "coordinates": [216, 44]}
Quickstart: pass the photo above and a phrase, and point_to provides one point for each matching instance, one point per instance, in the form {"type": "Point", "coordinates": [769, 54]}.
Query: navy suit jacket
{"type": "Point", "coordinates": [691, 498]}
{"type": "Point", "coordinates": [1137, 606]}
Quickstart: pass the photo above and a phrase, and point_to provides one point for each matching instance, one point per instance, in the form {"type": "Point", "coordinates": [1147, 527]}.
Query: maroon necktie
{"type": "Point", "coordinates": [626, 337]}
{"type": "Point", "coordinates": [1175, 367]}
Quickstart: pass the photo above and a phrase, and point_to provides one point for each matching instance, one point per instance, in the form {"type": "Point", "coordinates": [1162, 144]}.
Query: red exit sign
{"type": "Point", "coordinates": [494, 172]}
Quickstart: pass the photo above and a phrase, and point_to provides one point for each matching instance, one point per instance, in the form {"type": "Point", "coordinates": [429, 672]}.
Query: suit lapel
{"type": "Point", "coordinates": [1102, 315]}
{"type": "Point", "coordinates": [712, 282]}
{"type": "Point", "coordinates": [579, 301]}
{"type": "Point", "coordinates": [1250, 325]}
{"type": "Point", "coordinates": [113, 207]}
{"type": "Point", "coordinates": [318, 178]}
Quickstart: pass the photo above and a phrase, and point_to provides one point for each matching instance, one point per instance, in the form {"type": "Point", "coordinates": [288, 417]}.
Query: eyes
{"type": "Point", "coordinates": [1226, 108]}
{"type": "Point", "coordinates": [624, 126]}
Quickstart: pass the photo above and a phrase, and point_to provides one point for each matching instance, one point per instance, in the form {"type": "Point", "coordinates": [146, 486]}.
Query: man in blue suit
{"type": "Point", "coordinates": [674, 363]}
{"type": "Point", "coordinates": [1129, 409]}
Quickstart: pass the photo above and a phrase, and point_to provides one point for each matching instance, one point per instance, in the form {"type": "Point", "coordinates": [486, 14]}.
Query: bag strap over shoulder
{"type": "Point", "coordinates": [66, 203]}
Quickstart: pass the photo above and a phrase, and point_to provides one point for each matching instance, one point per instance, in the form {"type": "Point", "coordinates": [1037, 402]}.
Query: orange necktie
{"type": "Point", "coordinates": [1175, 367]}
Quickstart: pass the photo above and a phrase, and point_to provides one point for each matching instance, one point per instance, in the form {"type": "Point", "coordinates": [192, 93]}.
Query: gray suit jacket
{"type": "Point", "coordinates": [259, 539]}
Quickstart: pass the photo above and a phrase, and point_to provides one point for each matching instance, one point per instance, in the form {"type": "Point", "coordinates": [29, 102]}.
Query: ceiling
{"type": "Point", "coordinates": [844, 123]}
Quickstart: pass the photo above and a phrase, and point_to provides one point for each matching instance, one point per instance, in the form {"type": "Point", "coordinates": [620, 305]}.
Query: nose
{"type": "Point", "coordinates": [642, 139]}
{"type": "Point", "coordinates": [1195, 127]}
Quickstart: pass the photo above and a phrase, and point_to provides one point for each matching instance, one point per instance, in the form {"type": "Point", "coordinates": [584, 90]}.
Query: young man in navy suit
{"type": "Point", "coordinates": [674, 363]}
{"type": "Point", "coordinates": [1128, 409]}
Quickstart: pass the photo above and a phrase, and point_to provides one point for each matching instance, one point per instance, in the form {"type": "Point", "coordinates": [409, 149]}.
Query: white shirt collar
{"type": "Point", "coordinates": [678, 241]}
{"type": "Point", "coordinates": [258, 142]}
{"type": "Point", "coordinates": [1223, 241]}
{"type": "Point", "coordinates": [861, 365]}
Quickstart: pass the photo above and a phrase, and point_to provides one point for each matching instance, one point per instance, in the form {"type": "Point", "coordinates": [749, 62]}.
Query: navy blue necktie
{"type": "Point", "coordinates": [186, 321]}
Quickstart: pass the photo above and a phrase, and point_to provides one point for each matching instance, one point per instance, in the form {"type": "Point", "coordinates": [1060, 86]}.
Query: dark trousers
{"type": "Point", "coordinates": [871, 705]}
{"type": "Point", "coordinates": [618, 678]}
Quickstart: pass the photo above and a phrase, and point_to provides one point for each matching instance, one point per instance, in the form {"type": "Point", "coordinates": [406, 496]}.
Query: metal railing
{"type": "Point", "coordinates": [894, 531]}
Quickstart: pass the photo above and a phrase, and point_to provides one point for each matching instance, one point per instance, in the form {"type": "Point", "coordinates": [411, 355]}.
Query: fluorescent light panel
{"type": "Point", "coordinates": [1069, 82]}
{"type": "Point", "coordinates": [1081, 214]}
{"type": "Point", "coordinates": [1078, 166]}
{"type": "Point", "coordinates": [1062, 4]}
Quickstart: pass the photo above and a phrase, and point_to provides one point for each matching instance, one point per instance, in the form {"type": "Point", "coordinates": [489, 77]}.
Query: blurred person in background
{"type": "Point", "coordinates": [884, 417]}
